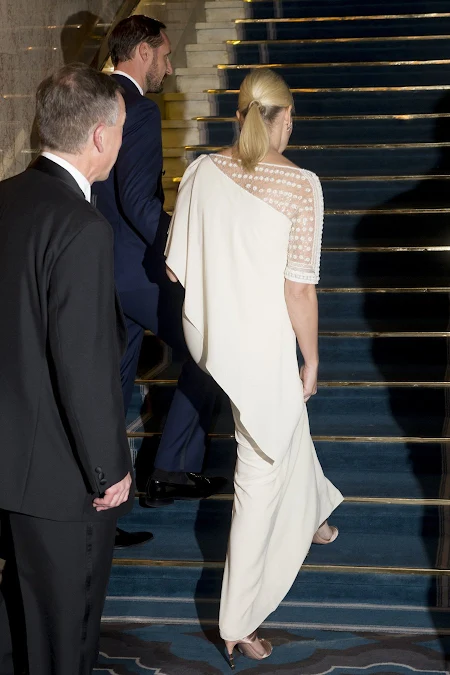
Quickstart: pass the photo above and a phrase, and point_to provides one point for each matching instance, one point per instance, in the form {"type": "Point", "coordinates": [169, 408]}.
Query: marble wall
{"type": "Point", "coordinates": [35, 39]}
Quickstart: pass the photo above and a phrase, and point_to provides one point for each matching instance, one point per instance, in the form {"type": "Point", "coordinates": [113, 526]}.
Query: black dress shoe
{"type": "Point", "coordinates": [125, 539]}
{"type": "Point", "coordinates": [196, 486]}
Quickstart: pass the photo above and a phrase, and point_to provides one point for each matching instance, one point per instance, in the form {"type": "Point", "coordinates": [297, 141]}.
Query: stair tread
{"type": "Point", "coordinates": [370, 535]}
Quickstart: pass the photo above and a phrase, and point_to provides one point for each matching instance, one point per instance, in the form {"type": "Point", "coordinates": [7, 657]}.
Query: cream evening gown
{"type": "Point", "coordinates": [234, 238]}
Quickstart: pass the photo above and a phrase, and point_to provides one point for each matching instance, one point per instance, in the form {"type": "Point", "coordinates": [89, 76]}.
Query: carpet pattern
{"type": "Point", "coordinates": [188, 650]}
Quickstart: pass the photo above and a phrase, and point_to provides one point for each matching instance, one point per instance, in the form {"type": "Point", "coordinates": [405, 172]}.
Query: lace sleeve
{"type": "Point", "coordinates": [305, 239]}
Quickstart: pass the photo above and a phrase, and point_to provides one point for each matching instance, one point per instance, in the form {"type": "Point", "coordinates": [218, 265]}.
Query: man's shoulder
{"type": "Point", "coordinates": [49, 199]}
{"type": "Point", "coordinates": [141, 109]}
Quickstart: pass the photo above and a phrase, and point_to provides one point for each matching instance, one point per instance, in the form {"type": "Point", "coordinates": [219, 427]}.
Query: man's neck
{"type": "Point", "coordinates": [130, 69]}
{"type": "Point", "coordinates": [78, 161]}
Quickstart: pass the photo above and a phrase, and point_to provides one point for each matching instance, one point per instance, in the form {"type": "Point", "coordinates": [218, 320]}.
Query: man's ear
{"type": "Point", "coordinates": [144, 51]}
{"type": "Point", "coordinates": [98, 137]}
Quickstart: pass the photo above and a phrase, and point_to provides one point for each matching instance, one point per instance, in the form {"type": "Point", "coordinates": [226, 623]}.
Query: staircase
{"type": "Point", "coordinates": [371, 83]}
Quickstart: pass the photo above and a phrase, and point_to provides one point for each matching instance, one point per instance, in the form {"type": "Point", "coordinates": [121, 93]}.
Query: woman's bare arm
{"type": "Point", "coordinates": [301, 301]}
{"type": "Point", "coordinates": [171, 275]}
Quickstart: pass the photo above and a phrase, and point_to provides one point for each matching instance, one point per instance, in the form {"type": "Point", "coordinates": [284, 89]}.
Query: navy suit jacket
{"type": "Point", "coordinates": [132, 197]}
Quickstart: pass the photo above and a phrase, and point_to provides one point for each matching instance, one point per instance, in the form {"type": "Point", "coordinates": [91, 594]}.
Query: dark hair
{"type": "Point", "coordinates": [132, 31]}
{"type": "Point", "coordinates": [71, 102]}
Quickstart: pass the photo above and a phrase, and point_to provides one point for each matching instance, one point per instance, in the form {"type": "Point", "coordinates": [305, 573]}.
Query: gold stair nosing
{"type": "Point", "coordinates": [362, 179]}
{"type": "Point", "coordinates": [385, 334]}
{"type": "Point", "coordinates": [336, 146]}
{"type": "Point", "coordinates": [401, 501]}
{"type": "Point", "coordinates": [363, 17]}
{"type": "Point", "coordinates": [392, 38]}
{"type": "Point", "coordinates": [367, 334]}
{"type": "Point", "coordinates": [363, 212]}
{"type": "Point", "coordinates": [307, 118]}
{"type": "Point", "coordinates": [324, 439]}
{"type": "Point", "coordinates": [332, 64]}
{"type": "Point", "coordinates": [397, 289]}
{"type": "Point", "coordinates": [384, 249]}
{"type": "Point", "coordinates": [367, 569]}
{"type": "Point", "coordinates": [395, 501]}
{"type": "Point", "coordinates": [389, 179]}
{"type": "Point", "coordinates": [315, 90]}
{"type": "Point", "coordinates": [327, 384]}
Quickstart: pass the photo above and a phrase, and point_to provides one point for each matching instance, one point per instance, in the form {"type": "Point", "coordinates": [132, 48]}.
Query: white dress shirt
{"type": "Point", "coordinates": [120, 72]}
{"type": "Point", "coordinates": [82, 181]}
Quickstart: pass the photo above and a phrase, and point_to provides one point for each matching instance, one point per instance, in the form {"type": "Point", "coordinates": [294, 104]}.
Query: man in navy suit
{"type": "Point", "coordinates": [132, 200]}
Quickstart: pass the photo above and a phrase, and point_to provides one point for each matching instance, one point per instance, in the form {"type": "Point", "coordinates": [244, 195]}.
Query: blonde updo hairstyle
{"type": "Point", "coordinates": [262, 96]}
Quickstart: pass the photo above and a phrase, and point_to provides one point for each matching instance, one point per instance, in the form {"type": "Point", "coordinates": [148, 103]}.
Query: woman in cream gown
{"type": "Point", "coordinates": [245, 243]}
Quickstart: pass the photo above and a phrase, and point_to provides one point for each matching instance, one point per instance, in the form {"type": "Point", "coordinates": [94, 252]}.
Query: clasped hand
{"type": "Point", "coordinates": [114, 496]}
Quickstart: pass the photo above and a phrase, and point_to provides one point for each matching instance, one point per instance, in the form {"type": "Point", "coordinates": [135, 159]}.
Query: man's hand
{"type": "Point", "coordinates": [308, 375]}
{"type": "Point", "coordinates": [114, 496]}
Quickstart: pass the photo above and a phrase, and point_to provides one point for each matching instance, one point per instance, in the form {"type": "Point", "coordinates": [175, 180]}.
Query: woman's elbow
{"type": "Point", "coordinates": [295, 291]}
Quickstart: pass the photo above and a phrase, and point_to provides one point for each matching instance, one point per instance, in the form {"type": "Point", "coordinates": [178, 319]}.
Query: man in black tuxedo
{"type": "Point", "coordinates": [64, 456]}
{"type": "Point", "coordinates": [132, 200]}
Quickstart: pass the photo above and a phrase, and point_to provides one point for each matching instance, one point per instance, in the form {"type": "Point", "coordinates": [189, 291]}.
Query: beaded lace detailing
{"type": "Point", "coordinates": [297, 194]}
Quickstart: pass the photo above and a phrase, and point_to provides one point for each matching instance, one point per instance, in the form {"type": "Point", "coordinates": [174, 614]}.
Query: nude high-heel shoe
{"type": "Point", "coordinates": [318, 539]}
{"type": "Point", "coordinates": [251, 646]}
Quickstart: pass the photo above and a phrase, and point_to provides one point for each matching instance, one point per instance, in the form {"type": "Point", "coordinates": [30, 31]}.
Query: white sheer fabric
{"type": "Point", "coordinates": [297, 194]}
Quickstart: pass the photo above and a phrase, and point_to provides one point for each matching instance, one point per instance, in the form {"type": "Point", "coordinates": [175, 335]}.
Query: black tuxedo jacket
{"type": "Point", "coordinates": [62, 432]}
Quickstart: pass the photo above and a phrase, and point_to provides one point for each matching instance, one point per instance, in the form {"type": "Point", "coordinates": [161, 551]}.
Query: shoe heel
{"type": "Point", "coordinates": [230, 658]}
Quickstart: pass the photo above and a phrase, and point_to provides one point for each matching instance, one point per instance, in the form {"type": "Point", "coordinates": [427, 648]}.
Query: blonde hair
{"type": "Point", "coordinates": [262, 96]}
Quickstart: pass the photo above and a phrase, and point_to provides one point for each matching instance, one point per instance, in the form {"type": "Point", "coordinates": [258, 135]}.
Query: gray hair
{"type": "Point", "coordinates": [71, 102]}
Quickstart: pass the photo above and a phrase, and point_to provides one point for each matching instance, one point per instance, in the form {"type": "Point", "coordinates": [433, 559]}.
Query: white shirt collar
{"type": "Point", "coordinates": [82, 181]}
{"type": "Point", "coordinates": [120, 72]}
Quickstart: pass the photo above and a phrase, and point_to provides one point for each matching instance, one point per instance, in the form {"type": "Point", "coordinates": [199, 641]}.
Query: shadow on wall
{"type": "Point", "coordinates": [81, 37]}
{"type": "Point", "coordinates": [80, 40]}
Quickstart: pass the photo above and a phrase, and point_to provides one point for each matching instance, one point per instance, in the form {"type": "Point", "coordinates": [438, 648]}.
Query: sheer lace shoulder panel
{"type": "Point", "coordinates": [282, 187]}
{"type": "Point", "coordinates": [305, 239]}
{"type": "Point", "coordinates": [297, 194]}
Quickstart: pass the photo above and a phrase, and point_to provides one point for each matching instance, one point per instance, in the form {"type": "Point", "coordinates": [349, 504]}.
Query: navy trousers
{"type": "Point", "coordinates": [158, 308]}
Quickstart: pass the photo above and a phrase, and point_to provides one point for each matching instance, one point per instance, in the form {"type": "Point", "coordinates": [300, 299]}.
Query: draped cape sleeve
{"type": "Point", "coordinates": [228, 247]}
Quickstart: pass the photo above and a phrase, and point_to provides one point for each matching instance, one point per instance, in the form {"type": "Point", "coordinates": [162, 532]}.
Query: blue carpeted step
{"type": "Point", "coordinates": [388, 161]}
{"type": "Point", "coordinates": [398, 194]}
{"type": "Point", "coordinates": [381, 535]}
{"type": "Point", "coordinates": [323, 76]}
{"type": "Point", "coordinates": [383, 312]}
{"type": "Point", "coordinates": [350, 411]}
{"type": "Point", "coordinates": [387, 229]}
{"type": "Point", "coordinates": [366, 160]}
{"type": "Point", "coordinates": [362, 600]}
{"type": "Point", "coordinates": [362, 359]}
{"type": "Point", "coordinates": [377, 312]}
{"type": "Point", "coordinates": [327, 8]}
{"type": "Point", "coordinates": [390, 193]}
{"type": "Point", "coordinates": [411, 359]}
{"type": "Point", "coordinates": [376, 50]}
{"type": "Point", "coordinates": [410, 269]}
{"type": "Point", "coordinates": [351, 102]}
{"type": "Point", "coordinates": [395, 129]}
{"type": "Point", "coordinates": [380, 26]}
{"type": "Point", "coordinates": [360, 469]}
{"type": "Point", "coordinates": [393, 470]}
